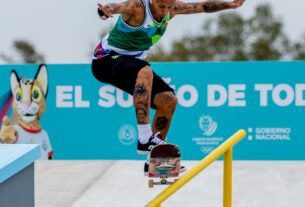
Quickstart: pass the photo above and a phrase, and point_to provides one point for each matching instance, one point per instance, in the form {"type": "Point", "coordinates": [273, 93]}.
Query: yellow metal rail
{"type": "Point", "coordinates": [225, 149]}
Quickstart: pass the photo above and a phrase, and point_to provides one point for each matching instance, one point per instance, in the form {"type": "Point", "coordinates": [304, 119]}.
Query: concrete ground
{"type": "Point", "coordinates": [122, 184]}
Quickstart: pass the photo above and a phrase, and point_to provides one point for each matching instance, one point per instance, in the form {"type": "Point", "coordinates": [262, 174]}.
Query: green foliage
{"type": "Point", "coordinates": [299, 50]}
{"type": "Point", "coordinates": [230, 37]}
{"type": "Point", "coordinates": [26, 51]}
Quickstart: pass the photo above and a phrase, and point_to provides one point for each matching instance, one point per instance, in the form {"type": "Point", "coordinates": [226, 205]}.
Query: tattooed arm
{"type": "Point", "coordinates": [127, 8]}
{"type": "Point", "coordinates": [208, 6]}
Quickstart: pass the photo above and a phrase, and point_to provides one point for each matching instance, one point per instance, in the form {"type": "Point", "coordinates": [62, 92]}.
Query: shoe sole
{"type": "Point", "coordinates": [181, 171]}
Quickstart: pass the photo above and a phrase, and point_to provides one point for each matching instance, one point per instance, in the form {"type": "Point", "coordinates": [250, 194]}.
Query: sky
{"type": "Point", "coordinates": [67, 31]}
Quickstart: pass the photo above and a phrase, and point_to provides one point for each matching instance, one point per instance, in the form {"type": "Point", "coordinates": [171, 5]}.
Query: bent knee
{"type": "Point", "coordinates": [166, 100]}
{"type": "Point", "coordinates": [145, 73]}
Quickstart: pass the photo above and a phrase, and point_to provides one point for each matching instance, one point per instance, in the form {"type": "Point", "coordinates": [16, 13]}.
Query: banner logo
{"type": "Point", "coordinates": [127, 134]}
{"type": "Point", "coordinates": [207, 125]}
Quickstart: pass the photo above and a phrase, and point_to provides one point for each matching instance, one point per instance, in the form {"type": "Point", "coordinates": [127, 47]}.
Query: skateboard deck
{"type": "Point", "coordinates": [164, 163]}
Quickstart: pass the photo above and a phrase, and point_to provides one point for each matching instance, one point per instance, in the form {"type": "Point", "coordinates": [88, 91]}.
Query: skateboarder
{"type": "Point", "coordinates": [119, 58]}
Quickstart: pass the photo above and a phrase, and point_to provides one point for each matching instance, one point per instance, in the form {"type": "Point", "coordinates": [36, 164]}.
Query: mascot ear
{"type": "Point", "coordinates": [14, 81]}
{"type": "Point", "coordinates": [42, 78]}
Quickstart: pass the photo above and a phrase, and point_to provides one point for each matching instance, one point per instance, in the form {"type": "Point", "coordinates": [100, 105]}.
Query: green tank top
{"type": "Point", "coordinates": [136, 41]}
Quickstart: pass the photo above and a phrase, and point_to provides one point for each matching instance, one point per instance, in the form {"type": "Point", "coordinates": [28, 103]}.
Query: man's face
{"type": "Point", "coordinates": [160, 8]}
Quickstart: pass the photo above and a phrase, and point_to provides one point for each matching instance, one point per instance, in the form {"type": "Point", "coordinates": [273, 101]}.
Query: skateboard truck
{"type": "Point", "coordinates": [164, 163]}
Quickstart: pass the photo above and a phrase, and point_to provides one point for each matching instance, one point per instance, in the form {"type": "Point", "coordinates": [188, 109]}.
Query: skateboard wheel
{"type": "Point", "coordinates": [150, 183]}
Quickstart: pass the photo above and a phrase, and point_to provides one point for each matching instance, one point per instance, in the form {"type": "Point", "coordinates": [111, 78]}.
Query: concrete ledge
{"type": "Point", "coordinates": [15, 157]}
{"type": "Point", "coordinates": [17, 174]}
{"type": "Point", "coordinates": [18, 190]}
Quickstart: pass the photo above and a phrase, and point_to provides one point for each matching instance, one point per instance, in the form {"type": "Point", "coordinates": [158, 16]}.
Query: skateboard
{"type": "Point", "coordinates": [164, 163]}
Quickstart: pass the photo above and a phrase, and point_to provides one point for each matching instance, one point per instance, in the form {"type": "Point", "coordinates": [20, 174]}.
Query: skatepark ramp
{"type": "Point", "coordinates": [225, 149]}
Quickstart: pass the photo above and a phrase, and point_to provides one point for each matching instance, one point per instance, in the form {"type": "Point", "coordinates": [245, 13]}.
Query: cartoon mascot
{"type": "Point", "coordinates": [29, 104]}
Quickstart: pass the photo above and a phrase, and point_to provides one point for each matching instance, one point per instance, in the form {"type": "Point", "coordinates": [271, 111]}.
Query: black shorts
{"type": "Point", "coordinates": [122, 70]}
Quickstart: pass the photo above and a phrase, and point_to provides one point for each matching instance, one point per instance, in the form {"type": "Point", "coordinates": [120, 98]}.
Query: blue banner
{"type": "Point", "coordinates": [86, 119]}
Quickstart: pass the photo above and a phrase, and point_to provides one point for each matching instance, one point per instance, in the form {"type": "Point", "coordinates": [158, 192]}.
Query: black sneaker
{"type": "Point", "coordinates": [144, 149]}
{"type": "Point", "coordinates": [182, 169]}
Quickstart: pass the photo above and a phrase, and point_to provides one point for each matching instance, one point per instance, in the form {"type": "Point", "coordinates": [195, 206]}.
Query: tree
{"type": "Point", "coordinates": [26, 51]}
{"type": "Point", "coordinates": [230, 37]}
{"type": "Point", "coordinates": [299, 50]}
{"type": "Point", "coordinates": [159, 54]}
{"type": "Point", "coordinates": [270, 42]}
{"type": "Point", "coordinates": [6, 58]}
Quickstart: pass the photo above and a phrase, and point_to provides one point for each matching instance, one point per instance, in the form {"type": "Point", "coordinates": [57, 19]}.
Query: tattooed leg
{"type": "Point", "coordinates": [166, 104]}
{"type": "Point", "coordinates": [142, 94]}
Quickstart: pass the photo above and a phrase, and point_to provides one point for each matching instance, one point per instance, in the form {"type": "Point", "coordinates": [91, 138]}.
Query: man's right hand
{"type": "Point", "coordinates": [8, 133]}
{"type": "Point", "coordinates": [106, 10]}
{"type": "Point", "coordinates": [237, 3]}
